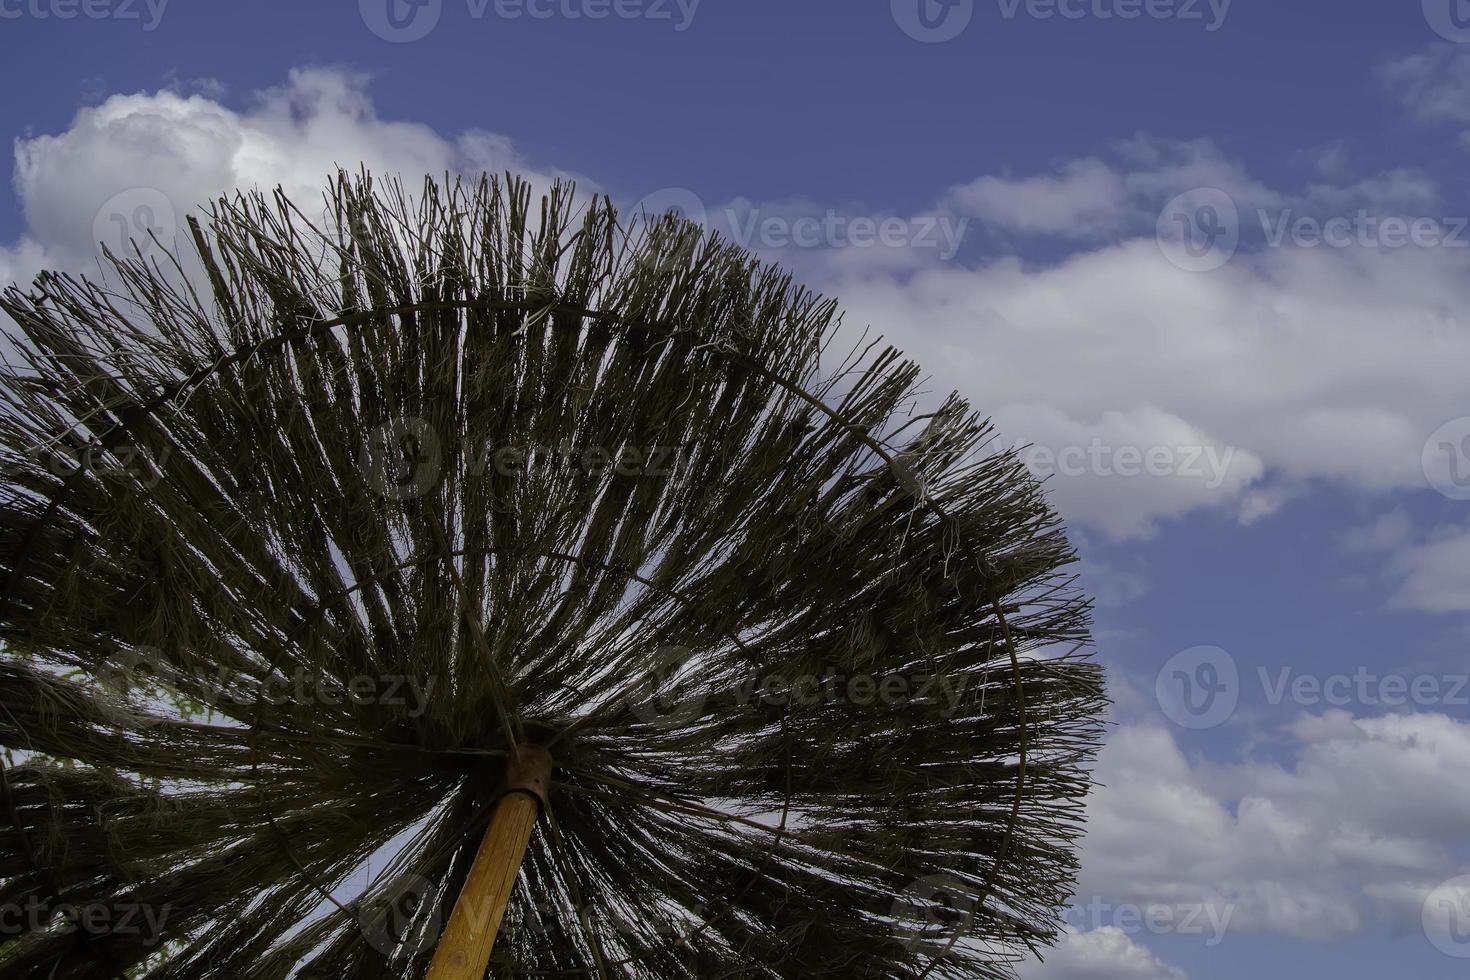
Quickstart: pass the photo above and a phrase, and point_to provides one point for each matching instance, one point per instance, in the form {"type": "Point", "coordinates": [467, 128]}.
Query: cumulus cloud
{"type": "Point", "coordinates": [1289, 850]}
{"type": "Point", "coordinates": [1421, 571]}
{"type": "Point", "coordinates": [140, 163]}
{"type": "Point", "coordinates": [1102, 198]}
{"type": "Point", "coordinates": [1286, 367]}
{"type": "Point", "coordinates": [1311, 364]}
{"type": "Point", "coordinates": [1434, 576]}
{"type": "Point", "coordinates": [1125, 470]}
{"type": "Point", "coordinates": [1432, 84]}
{"type": "Point", "coordinates": [1086, 200]}
{"type": "Point", "coordinates": [1107, 953]}
{"type": "Point", "coordinates": [1183, 392]}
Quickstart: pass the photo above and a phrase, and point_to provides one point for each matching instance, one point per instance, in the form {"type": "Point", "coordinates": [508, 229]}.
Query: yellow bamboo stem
{"type": "Point", "coordinates": [464, 947]}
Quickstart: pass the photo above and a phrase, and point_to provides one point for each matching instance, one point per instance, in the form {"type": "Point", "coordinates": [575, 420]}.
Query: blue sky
{"type": "Point", "coordinates": [1024, 167]}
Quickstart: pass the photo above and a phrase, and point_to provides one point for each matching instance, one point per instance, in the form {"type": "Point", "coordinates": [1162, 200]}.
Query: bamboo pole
{"type": "Point", "coordinates": [464, 947]}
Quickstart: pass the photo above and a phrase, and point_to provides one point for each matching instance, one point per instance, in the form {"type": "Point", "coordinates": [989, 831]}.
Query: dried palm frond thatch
{"type": "Point", "coordinates": [310, 531]}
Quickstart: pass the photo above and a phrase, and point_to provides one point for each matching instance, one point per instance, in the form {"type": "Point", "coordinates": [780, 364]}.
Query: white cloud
{"type": "Point", "coordinates": [1126, 469]}
{"type": "Point", "coordinates": [1388, 531]}
{"type": "Point", "coordinates": [1434, 576]}
{"type": "Point", "coordinates": [1093, 198]}
{"type": "Point", "coordinates": [191, 148]}
{"type": "Point", "coordinates": [1088, 199]}
{"type": "Point", "coordinates": [1313, 364]}
{"type": "Point", "coordinates": [1295, 364]}
{"type": "Point", "coordinates": [1289, 850]}
{"type": "Point", "coordinates": [1421, 572]}
{"type": "Point", "coordinates": [1100, 954]}
{"type": "Point", "coordinates": [1113, 584]}
{"type": "Point", "coordinates": [1433, 84]}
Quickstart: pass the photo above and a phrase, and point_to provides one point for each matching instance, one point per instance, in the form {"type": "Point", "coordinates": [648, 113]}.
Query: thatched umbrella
{"type": "Point", "coordinates": [334, 538]}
